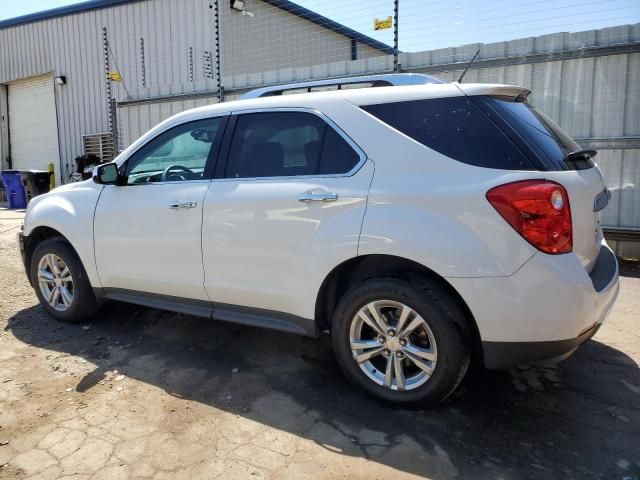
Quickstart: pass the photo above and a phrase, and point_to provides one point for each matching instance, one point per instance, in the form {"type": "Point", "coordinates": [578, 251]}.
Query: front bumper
{"type": "Point", "coordinates": [544, 311]}
{"type": "Point", "coordinates": [22, 244]}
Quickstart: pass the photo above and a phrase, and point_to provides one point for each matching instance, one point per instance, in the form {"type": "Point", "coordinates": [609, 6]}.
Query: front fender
{"type": "Point", "coordinates": [69, 210]}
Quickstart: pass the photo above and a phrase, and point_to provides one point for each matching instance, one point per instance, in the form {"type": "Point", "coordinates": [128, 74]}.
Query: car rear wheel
{"type": "Point", "coordinates": [403, 342]}
{"type": "Point", "coordinates": [60, 282]}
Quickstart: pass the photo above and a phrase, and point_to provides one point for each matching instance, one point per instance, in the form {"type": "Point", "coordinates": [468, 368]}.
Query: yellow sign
{"type": "Point", "coordinates": [114, 76]}
{"type": "Point", "coordinates": [382, 24]}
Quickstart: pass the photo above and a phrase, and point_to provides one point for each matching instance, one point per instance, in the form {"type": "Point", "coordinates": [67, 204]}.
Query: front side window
{"type": "Point", "coordinates": [176, 155]}
{"type": "Point", "coordinates": [285, 144]}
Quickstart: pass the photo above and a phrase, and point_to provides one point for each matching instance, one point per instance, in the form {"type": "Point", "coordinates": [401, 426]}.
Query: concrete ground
{"type": "Point", "coordinates": [141, 393]}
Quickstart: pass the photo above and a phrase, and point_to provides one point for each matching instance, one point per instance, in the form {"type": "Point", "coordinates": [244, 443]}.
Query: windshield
{"type": "Point", "coordinates": [548, 143]}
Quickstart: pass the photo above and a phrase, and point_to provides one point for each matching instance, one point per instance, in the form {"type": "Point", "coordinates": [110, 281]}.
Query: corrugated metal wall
{"type": "Point", "coordinates": [138, 119]}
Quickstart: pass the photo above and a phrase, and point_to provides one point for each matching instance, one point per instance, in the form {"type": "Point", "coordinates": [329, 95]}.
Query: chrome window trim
{"type": "Point", "coordinates": [173, 182]}
{"type": "Point", "coordinates": [363, 156]}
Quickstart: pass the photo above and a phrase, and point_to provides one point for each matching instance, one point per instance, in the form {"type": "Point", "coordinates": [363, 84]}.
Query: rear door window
{"type": "Point", "coordinates": [337, 155]}
{"type": "Point", "coordinates": [455, 127]}
{"type": "Point", "coordinates": [285, 144]}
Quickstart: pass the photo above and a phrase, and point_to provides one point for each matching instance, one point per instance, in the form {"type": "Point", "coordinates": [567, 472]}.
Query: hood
{"type": "Point", "coordinates": [75, 185]}
{"type": "Point", "coordinates": [61, 190]}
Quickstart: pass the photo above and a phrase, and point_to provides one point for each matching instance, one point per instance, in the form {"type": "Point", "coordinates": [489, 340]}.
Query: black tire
{"type": "Point", "coordinates": [84, 303]}
{"type": "Point", "coordinates": [444, 317]}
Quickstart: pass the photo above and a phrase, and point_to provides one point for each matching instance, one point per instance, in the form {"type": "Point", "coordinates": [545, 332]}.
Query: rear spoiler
{"type": "Point", "coordinates": [513, 92]}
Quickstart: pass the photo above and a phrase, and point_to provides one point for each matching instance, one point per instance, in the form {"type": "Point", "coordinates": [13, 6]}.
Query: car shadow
{"type": "Point", "coordinates": [577, 419]}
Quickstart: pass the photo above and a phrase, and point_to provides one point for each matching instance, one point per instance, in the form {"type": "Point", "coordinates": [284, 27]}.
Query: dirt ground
{"type": "Point", "coordinates": [142, 393]}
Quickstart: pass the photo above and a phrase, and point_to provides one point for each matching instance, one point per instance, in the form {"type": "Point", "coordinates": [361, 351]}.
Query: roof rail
{"type": "Point", "coordinates": [388, 80]}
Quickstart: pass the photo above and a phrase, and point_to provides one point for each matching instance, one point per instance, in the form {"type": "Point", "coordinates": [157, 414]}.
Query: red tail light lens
{"type": "Point", "coordinates": [538, 210]}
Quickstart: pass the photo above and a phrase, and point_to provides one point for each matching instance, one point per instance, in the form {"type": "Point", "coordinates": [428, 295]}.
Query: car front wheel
{"type": "Point", "coordinates": [403, 342]}
{"type": "Point", "coordinates": [60, 281]}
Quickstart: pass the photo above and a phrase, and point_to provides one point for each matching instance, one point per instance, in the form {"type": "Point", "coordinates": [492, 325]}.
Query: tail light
{"type": "Point", "coordinates": [538, 210]}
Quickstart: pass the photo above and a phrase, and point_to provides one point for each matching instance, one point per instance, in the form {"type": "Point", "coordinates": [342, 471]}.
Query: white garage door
{"type": "Point", "coordinates": [33, 128]}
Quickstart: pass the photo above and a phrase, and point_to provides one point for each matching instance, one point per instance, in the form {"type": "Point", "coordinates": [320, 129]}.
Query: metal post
{"type": "Point", "coordinates": [110, 101]}
{"type": "Point", "coordinates": [52, 176]}
{"type": "Point", "coordinates": [114, 126]}
{"type": "Point", "coordinates": [105, 46]}
{"type": "Point", "coordinates": [143, 71]}
{"type": "Point", "coordinates": [396, 65]}
{"type": "Point", "coordinates": [216, 26]}
{"type": "Point", "coordinates": [191, 64]}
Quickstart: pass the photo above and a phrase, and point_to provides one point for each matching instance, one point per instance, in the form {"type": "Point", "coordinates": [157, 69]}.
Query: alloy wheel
{"type": "Point", "coordinates": [393, 345]}
{"type": "Point", "coordinates": [55, 282]}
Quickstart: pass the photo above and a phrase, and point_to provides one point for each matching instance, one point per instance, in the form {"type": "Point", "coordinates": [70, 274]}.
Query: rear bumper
{"type": "Point", "coordinates": [507, 354]}
{"type": "Point", "coordinates": [544, 311]}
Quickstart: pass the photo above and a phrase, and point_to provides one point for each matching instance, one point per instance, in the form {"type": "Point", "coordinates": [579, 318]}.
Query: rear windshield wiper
{"type": "Point", "coordinates": [582, 154]}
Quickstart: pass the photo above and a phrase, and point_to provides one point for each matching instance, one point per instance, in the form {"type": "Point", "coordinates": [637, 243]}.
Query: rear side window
{"type": "Point", "coordinates": [285, 144]}
{"type": "Point", "coordinates": [454, 127]}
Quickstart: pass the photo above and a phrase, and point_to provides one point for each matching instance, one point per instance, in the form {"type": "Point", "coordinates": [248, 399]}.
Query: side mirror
{"type": "Point", "coordinates": [106, 174]}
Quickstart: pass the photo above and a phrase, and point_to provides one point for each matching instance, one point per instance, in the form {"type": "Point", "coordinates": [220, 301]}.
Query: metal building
{"type": "Point", "coordinates": [54, 89]}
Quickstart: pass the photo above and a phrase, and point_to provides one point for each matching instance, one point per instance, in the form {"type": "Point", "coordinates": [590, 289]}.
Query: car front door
{"type": "Point", "coordinates": [287, 208]}
{"type": "Point", "coordinates": [148, 231]}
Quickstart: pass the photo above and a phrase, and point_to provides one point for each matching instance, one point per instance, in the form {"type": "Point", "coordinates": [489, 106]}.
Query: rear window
{"type": "Point", "coordinates": [455, 127]}
{"type": "Point", "coordinates": [540, 136]}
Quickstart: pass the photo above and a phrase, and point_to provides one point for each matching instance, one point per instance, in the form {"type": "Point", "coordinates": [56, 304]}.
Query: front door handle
{"type": "Point", "coordinates": [318, 197]}
{"type": "Point", "coordinates": [183, 204]}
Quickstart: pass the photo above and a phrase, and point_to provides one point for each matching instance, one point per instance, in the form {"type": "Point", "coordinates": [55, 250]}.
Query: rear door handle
{"type": "Point", "coordinates": [318, 197]}
{"type": "Point", "coordinates": [183, 204]}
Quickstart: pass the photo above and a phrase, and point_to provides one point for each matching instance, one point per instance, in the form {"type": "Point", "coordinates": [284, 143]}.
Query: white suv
{"type": "Point", "coordinates": [424, 225]}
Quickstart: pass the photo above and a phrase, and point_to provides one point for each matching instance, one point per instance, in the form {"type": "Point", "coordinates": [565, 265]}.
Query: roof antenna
{"type": "Point", "coordinates": [468, 65]}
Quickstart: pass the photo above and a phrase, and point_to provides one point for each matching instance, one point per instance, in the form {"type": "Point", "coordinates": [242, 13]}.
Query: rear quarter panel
{"type": "Point", "coordinates": [431, 209]}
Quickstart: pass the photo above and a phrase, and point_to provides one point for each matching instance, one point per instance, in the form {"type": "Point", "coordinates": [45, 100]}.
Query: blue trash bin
{"type": "Point", "coordinates": [14, 188]}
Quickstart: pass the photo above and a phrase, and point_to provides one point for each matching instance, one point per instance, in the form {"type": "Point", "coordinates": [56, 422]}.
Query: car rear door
{"type": "Point", "coordinates": [288, 206]}
{"type": "Point", "coordinates": [148, 232]}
